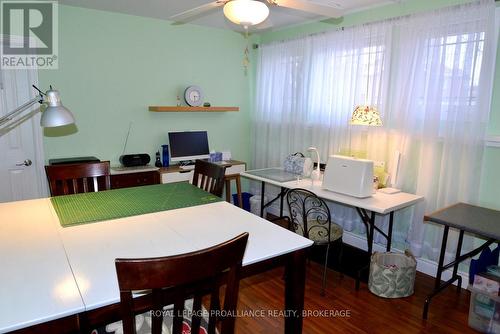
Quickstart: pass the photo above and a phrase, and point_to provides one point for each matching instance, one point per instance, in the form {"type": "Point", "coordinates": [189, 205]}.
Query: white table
{"type": "Point", "coordinates": [36, 282]}
{"type": "Point", "coordinates": [55, 272]}
{"type": "Point", "coordinates": [379, 203]}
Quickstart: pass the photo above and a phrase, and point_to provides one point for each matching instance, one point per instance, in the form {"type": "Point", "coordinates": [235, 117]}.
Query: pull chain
{"type": "Point", "coordinates": [246, 58]}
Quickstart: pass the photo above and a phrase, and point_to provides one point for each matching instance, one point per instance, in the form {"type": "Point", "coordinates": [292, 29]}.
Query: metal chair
{"type": "Point", "coordinates": [310, 217]}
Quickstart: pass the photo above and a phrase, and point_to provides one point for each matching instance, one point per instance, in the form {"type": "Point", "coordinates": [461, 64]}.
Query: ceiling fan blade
{"type": "Point", "coordinates": [194, 13]}
{"type": "Point", "coordinates": [267, 24]}
{"type": "Point", "coordinates": [317, 7]}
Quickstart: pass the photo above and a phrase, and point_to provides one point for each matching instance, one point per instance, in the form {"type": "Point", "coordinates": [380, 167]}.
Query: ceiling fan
{"type": "Point", "coordinates": [252, 12]}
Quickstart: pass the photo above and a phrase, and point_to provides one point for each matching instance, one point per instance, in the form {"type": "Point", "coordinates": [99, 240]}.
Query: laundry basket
{"type": "Point", "coordinates": [392, 275]}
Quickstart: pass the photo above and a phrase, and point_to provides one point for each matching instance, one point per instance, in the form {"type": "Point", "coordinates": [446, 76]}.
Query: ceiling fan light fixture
{"type": "Point", "coordinates": [246, 12]}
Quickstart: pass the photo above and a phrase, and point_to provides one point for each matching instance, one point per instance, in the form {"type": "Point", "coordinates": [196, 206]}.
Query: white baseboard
{"type": "Point", "coordinates": [425, 266]}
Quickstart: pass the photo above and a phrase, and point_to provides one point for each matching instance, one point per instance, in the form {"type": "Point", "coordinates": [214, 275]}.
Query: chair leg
{"type": "Point", "coordinates": [341, 253]}
{"type": "Point", "coordinates": [323, 287]}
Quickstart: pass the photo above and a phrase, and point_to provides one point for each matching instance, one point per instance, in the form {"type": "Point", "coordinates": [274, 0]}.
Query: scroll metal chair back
{"type": "Point", "coordinates": [209, 177]}
{"type": "Point", "coordinates": [78, 178]}
{"type": "Point", "coordinates": [310, 217]}
{"type": "Point", "coordinates": [173, 279]}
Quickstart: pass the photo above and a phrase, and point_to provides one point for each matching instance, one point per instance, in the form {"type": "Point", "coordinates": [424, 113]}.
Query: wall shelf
{"type": "Point", "coordinates": [186, 108]}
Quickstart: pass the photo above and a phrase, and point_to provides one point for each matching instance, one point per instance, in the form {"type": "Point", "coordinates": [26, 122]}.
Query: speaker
{"type": "Point", "coordinates": [133, 160]}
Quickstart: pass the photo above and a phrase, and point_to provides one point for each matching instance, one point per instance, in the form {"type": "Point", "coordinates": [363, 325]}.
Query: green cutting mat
{"type": "Point", "coordinates": [105, 205]}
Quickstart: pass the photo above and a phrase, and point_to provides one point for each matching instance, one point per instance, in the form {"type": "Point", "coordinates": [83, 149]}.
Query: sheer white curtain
{"type": "Point", "coordinates": [440, 107]}
{"type": "Point", "coordinates": [429, 74]}
{"type": "Point", "coordinates": [307, 88]}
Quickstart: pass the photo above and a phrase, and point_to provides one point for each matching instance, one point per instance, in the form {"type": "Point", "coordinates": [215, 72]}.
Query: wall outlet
{"type": "Point", "coordinates": [379, 164]}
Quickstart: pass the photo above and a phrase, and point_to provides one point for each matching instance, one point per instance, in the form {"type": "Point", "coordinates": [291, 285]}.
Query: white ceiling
{"type": "Point", "coordinates": [163, 9]}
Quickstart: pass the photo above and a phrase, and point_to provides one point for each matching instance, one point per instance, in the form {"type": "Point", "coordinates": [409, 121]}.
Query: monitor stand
{"type": "Point", "coordinates": [186, 162]}
{"type": "Point", "coordinates": [186, 165]}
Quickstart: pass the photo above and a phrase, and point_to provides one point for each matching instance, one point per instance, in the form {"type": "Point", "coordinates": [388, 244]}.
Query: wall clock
{"type": "Point", "coordinates": [193, 96]}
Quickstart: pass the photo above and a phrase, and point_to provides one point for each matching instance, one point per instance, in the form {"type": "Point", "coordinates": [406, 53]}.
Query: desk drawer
{"type": "Point", "coordinates": [177, 177]}
{"type": "Point", "coordinates": [134, 179]}
{"type": "Point", "coordinates": [235, 169]}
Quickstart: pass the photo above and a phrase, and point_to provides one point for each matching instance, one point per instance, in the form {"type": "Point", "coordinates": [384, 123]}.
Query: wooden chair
{"type": "Point", "coordinates": [310, 217]}
{"type": "Point", "coordinates": [209, 177]}
{"type": "Point", "coordinates": [78, 178]}
{"type": "Point", "coordinates": [191, 275]}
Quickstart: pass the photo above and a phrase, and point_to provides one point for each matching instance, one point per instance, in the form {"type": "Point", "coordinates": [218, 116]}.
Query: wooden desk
{"type": "Point", "coordinates": [233, 169]}
{"type": "Point", "coordinates": [67, 274]}
{"type": "Point", "coordinates": [482, 222]}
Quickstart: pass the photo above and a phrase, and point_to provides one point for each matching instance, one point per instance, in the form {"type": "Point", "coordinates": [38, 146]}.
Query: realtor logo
{"type": "Point", "coordinates": [29, 34]}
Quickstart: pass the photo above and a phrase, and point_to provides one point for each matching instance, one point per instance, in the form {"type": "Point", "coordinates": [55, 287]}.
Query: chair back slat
{"type": "Point", "coordinates": [196, 318]}
{"type": "Point", "coordinates": [177, 321]}
{"type": "Point", "coordinates": [74, 178]}
{"type": "Point", "coordinates": [85, 184]}
{"type": "Point", "coordinates": [128, 317]}
{"type": "Point", "coordinates": [190, 275]}
{"type": "Point", "coordinates": [65, 187]}
{"type": "Point", "coordinates": [209, 177]}
{"type": "Point", "coordinates": [157, 320]}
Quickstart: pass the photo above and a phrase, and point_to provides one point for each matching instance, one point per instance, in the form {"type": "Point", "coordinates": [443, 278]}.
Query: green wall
{"type": "Point", "coordinates": [490, 182]}
{"type": "Point", "coordinates": [113, 66]}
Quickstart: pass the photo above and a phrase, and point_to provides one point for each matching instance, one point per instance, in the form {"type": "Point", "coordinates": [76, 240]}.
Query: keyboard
{"type": "Point", "coordinates": [187, 167]}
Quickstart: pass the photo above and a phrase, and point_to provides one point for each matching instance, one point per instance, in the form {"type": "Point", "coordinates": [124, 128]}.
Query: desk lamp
{"type": "Point", "coordinates": [316, 173]}
{"type": "Point", "coordinates": [54, 115]}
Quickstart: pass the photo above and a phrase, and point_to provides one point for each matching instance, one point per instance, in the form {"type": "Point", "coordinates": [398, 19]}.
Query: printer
{"type": "Point", "coordinates": [349, 176]}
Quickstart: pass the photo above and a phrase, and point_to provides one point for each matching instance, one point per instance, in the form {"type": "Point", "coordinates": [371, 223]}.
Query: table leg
{"type": "Point", "coordinates": [457, 255]}
{"type": "Point", "coordinates": [228, 190]}
{"type": "Point", "coordinates": [437, 282]}
{"type": "Point", "coordinates": [389, 231]}
{"type": "Point", "coordinates": [282, 196]}
{"type": "Point", "coordinates": [295, 280]}
{"type": "Point", "coordinates": [369, 222]}
{"type": "Point", "coordinates": [372, 230]}
{"type": "Point", "coordinates": [262, 192]}
{"type": "Point", "coordinates": [238, 191]}
{"type": "Point", "coordinates": [441, 257]}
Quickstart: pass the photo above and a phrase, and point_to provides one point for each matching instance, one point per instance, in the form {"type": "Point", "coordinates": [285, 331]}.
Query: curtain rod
{"type": "Point", "coordinates": [396, 18]}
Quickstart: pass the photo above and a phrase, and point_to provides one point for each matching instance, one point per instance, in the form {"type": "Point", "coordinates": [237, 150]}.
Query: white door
{"type": "Point", "coordinates": [22, 173]}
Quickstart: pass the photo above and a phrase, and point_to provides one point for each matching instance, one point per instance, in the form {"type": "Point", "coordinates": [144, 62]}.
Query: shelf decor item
{"type": "Point", "coordinates": [193, 96]}
{"type": "Point", "coordinates": [158, 160]}
{"type": "Point", "coordinates": [165, 155]}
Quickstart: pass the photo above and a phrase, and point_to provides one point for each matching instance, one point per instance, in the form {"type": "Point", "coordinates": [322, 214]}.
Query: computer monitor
{"type": "Point", "coordinates": [188, 145]}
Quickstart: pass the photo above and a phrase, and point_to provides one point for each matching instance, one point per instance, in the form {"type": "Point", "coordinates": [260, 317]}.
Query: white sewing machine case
{"type": "Point", "coordinates": [349, 176]}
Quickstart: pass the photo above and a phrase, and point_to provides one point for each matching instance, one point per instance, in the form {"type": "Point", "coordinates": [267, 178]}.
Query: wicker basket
{"type": "Point", "coordinates": [392, 275]}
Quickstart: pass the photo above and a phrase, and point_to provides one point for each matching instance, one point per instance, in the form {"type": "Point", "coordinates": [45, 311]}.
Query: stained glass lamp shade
{"type": "Point", "coordinates": [366, 115]}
